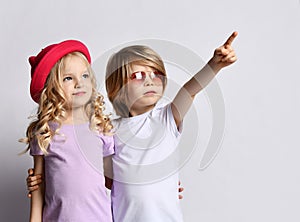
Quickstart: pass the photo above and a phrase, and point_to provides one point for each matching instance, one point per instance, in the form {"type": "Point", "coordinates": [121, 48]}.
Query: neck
{"type": "Point", "coordinates": [76, 116]}
{"type": "Point", "coordinates": [138, 111]}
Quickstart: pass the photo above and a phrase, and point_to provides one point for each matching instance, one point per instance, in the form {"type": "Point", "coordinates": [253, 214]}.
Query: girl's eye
{"type": "Point", "coordinates": [68, 78]}
{"type": "Point", "coordinates": [86, 75]}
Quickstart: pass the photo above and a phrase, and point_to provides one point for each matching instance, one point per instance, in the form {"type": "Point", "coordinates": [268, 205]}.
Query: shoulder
{"type": "Point", "coordinates": [107, 144]}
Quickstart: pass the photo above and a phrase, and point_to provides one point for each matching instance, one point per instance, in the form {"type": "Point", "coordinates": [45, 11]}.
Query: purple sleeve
{"type": "Point", "coordinates": [35, 149]}
{"type": "Point", "coordinates": [108, 145]}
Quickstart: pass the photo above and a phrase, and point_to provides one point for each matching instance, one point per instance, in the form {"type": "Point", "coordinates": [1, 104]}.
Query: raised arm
{"type": "Point", "coordinates": [37, 199]}
{"type": "Point", "coordinates": [222, 57]}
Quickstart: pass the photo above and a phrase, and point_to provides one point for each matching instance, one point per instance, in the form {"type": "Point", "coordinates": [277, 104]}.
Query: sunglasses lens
{"type": "Point", "coordinates": [138, 76]}
{"type": "Point", "coordinates": [157, 75]}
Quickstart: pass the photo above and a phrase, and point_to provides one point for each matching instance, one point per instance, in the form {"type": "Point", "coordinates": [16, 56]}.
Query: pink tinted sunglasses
{"type": "Point", "coordinates": [140, 76]}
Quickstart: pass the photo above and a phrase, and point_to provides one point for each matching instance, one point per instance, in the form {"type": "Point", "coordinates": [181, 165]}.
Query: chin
{"type": "Point", "coordinates": [77, 104]}
{"type": "Point", "coordinates": [149, 102]}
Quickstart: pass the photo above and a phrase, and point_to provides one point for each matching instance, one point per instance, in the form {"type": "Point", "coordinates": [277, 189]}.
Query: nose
{"type": "Point", "coordinates": [78, 83]}
{"type": "Point", "coordinates": [148, 81]}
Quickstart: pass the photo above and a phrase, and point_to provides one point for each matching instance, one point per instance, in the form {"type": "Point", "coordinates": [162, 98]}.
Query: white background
{"type": "Point", "coordinates": [255, 176]}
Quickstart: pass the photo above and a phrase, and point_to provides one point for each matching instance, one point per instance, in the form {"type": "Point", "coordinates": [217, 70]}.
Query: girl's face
{"type": "Point", "coordinates": [77, 82]}
{"type": "Point", "coordinates": [145, 88]}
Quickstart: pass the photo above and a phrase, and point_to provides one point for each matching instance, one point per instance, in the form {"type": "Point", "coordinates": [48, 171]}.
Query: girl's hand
{"type": "Point", "coordinates": [32, 182]}
{"type": "Point", "coordinates": [224, 55]}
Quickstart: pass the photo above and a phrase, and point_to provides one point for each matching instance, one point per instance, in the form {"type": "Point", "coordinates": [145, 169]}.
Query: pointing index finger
{"type": "Point", "coordinates": [231, 38]}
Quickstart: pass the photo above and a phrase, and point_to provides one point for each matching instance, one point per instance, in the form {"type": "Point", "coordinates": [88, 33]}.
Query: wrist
{"type": "Point", "coordinates": [215, 67]}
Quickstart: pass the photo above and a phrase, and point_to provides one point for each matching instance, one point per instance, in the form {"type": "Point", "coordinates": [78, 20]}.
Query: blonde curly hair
{"type": "Point", "coordinates": [53, 104]}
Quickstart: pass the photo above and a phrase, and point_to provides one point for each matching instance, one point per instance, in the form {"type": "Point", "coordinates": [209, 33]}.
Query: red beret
{"type": "Point", "coordinates": [42, 64]}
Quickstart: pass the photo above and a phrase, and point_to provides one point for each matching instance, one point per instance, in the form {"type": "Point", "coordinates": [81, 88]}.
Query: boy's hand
{"type": "Point", "coordinates": [32, 182]}
{"type": "Point", "coordinates": [180, 189]}
{"type": "Point", "coordinates": [224, 55]}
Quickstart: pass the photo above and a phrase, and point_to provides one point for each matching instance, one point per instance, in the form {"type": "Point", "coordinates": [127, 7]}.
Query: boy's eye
{"type": "Point", "coordinates": [138, 75]}
{"type": "Point", "coordinates": [68, 78]}
{"type": "Point", "coordinates": [156, 74]}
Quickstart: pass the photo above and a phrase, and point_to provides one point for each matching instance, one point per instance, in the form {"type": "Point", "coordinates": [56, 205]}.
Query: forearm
{"type": "Point", "coordinates": [36, 205]}
{"type": "Point", "coordinates": [37, 199]}
{"type": "Point", "coordinates": [184, 98]}
{"type": "Point", "coordinates": [222, 57]}
{"type": "Point", "coordinates": [202, 78]}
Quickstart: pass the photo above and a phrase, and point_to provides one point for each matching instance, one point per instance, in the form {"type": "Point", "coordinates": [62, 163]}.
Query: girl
{"type": "Point", "coordinates": [67, 139]}
{"type": "Point", "coordinates": [147, 134]}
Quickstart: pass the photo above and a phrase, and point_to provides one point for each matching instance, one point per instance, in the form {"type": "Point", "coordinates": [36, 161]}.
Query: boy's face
{"type": "Point", "coordinates": [145, 88]}
{"type": "Point", "coordinates": [77, 82]}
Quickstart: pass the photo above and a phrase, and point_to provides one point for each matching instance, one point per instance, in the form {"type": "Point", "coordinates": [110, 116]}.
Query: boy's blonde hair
{"type": "Point", "coordinates": [53, 104]}
{"type": "Point", "coordinates": [118, 71]}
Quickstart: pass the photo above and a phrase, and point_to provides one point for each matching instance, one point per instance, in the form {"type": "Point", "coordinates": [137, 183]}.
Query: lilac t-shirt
{"type": "Point", "coordinates": [74, 180]}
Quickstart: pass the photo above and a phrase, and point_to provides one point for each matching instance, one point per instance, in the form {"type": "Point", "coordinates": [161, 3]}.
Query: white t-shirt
{"type": "Point", "coordinates": [145, 167]}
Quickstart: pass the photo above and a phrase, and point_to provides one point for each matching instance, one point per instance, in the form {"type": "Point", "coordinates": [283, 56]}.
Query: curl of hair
{"type": "Point", "coordinates": [51, 109]}
{"type": "Point", "coordinates": [98, 120]}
